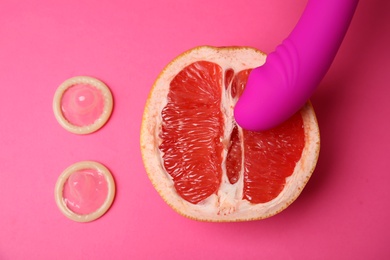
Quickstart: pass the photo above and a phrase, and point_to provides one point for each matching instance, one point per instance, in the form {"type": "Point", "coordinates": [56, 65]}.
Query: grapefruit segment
{"type": "Point", "coordinates": [270, 157]}
{"type": "Point", "coordinates": [234, 157]}
{"type": "Point", "coordinates": [191, 130]}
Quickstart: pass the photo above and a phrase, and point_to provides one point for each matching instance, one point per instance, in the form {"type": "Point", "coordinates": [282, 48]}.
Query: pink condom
{"type": "Point", "coordinates": [85, 191]}
{"type": "Point", "coordinates": [82, 105]}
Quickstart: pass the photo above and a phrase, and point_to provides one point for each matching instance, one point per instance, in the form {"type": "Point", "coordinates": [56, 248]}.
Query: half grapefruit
{"type": "Point", "coordinates": [201, 162]}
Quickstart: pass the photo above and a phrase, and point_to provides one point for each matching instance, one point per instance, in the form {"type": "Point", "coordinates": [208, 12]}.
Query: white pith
{"type": "Point", "coordinates": [227, 204]}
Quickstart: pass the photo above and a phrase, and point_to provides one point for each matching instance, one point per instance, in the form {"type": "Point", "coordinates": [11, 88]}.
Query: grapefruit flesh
{"type": "Point", "coordinates": [191, 139]}
{"type": "Point", "coordinates": [191, 131]}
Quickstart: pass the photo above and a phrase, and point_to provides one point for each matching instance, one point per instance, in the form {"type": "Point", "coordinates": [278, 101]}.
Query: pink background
{"type": "Point", "coordinates": [343, 213]}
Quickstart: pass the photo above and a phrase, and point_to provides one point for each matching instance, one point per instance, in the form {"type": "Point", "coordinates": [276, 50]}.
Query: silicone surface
{"type": "Point", "coordinates": [279, 88]}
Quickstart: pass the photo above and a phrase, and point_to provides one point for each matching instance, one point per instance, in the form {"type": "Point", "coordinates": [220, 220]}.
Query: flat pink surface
{"type": "Point", "coordinates": [343, 213]}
